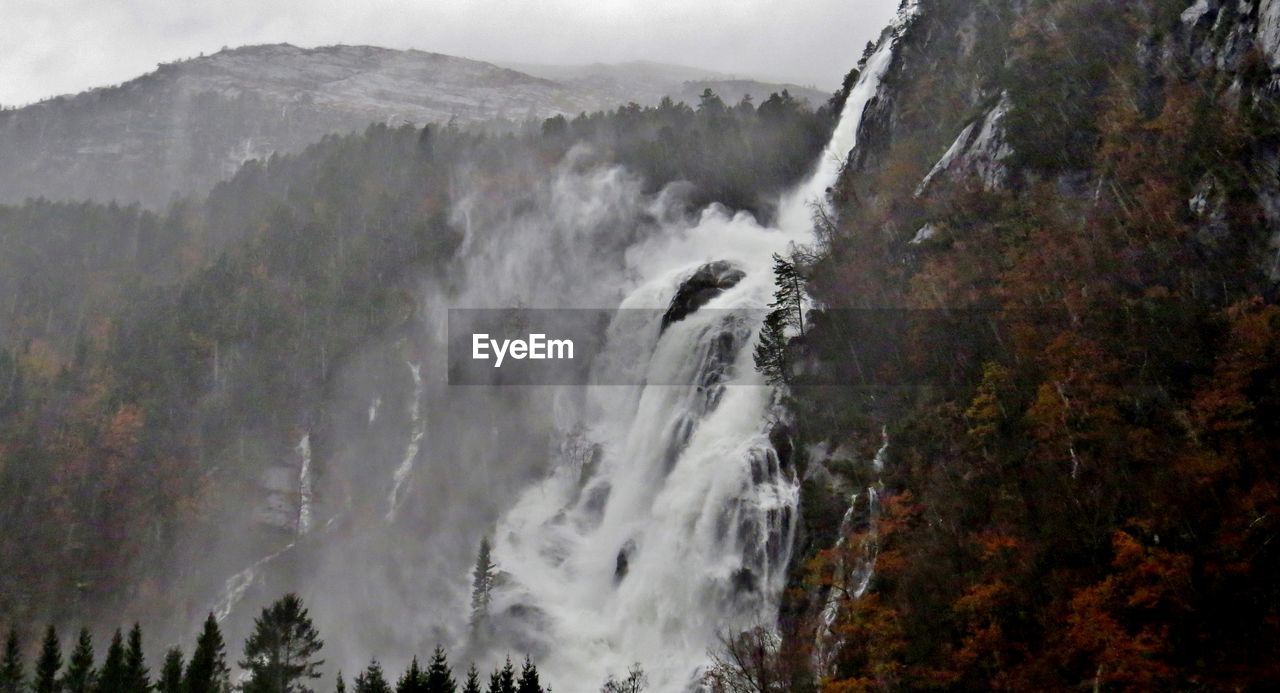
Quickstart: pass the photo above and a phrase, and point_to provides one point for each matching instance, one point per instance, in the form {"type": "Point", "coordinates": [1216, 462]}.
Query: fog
{"type": "Point", "coordinates": [53, 48]}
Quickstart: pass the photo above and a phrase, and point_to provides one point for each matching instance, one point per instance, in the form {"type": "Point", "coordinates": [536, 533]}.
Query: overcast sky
{"type": "Point", "coordinates": [51, 47]}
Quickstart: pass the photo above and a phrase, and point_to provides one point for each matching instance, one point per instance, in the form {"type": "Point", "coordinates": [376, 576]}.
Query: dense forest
{"type": "Point", "coordinates": [282, 655]}
{"type": "Point", "coordinates": [151, 364]}
{"type": "Point", "coordinates": [1028, 370]}
{"type": "Point", "coordinates": [1093, 503]}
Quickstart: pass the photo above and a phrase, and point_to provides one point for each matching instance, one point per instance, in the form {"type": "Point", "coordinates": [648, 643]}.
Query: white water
{"type": "Point", "coordinates": [304, 485]}
{"type": "Point", "coordinates": [685, 528]}
{"type": "Point", "coordinates": [417, 429]}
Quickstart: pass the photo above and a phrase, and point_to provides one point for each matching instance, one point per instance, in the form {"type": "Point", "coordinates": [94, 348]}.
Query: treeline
{"type": "Point", "coordinates": [1095, 503]}
{"type": "Point", "coordinates": [150, 362]}
{"type": "Point", "coordinates": [282, 655]}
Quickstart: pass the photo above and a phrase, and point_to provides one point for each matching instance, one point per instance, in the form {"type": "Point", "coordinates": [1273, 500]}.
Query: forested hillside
{"type": "Point", "coordinates": [1094, 503]}
{"type": "Point", "coordinates": [155, 366]}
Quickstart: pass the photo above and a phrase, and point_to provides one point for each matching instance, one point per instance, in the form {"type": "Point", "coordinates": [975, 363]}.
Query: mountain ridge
{"type": "Point", "coordinates": [188, 124]}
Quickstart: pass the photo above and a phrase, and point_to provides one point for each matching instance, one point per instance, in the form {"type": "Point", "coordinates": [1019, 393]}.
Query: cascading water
{"type": "Point", "coordinates": [304, 485]}
{"type": "Point", "coordinates": [418, 430]}
{"type": "Point", "coordinates": [681, 527]}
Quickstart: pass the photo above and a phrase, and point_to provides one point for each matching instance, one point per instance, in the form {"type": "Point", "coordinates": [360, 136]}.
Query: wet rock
{"type": "Point", "coordinates": [979, 151]}
{"type": "Point", "coordinates": [708, 282]}
{"type": "Point", "coordinates": [623, 563]}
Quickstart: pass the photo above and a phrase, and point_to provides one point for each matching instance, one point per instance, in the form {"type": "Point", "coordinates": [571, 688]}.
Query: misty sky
{"type": "Point", "coordinates": [51, 47]}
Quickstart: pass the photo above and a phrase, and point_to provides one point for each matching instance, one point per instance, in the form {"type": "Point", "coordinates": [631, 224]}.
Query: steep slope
{"type": "Point", "coordinates": [1089, 500]}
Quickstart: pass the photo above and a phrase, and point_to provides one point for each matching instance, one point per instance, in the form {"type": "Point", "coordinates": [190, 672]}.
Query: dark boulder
{"type": "Point", "coordinates": [709, 281]}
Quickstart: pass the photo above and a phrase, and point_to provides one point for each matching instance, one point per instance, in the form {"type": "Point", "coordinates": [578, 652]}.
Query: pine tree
{"type": "Point", "coordinates": [79, 676]}
{"type": "Point", "coordinates": [439, 677]}
{"type": "Point", "coordinates": [280, 653]}
{"type": "Point", "coordinates": [48, 664]}
{"type": "Point", "coordinates": [340, 686]}
{"type": "Point", "coordinates": [112, 677]}
{"type": "Point", "coordinates": [371, 680]}
{"type": "Point", "coordinates": [503, 680]}
{"type": "Point", "coordinates": [473, 681]}
{"type": "Point", "coordinates": [789, 296]}
{"type": "Point", "coordinates": [171, 672]}
{"type": "Point", "coordinates": [414, 680]}
{"type": "Point", "coordinates": [207, 671]}
{"type": "Point", "coordinates": [11, 674]}
{"type": "Point", "coordinates": [137, 678]}
{"type": "Point", "coordinates": [771, 348]}
{"type": "Point", "coordinates": [481, 590]}
{"type": "Point", "coordinates": [529, 678]}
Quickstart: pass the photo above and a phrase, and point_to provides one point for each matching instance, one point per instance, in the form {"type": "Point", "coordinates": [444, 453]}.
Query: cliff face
{"type": "Point", "coordinates": [1089, 502]}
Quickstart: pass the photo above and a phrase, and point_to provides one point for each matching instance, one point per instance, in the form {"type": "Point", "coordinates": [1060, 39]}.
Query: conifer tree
{"type": "Point", "coordinates": [771, 348]}
{"type": "Point", "coordinates": [439, 677]}
{"type": "Point", "coordinates": [481, 590]}
{"type": "Point", "coordinates": [11, 673]}
{"type": "Point", "coordinates": [529, 678]}
{"type": "Point", "coordinates": [340, 686]}
{"type": "Point", "coordinates": [371, 680]}
{"type": "Point", "coordinates": [48, 664]}
{"type": "Point", "coordinates": [279, 655]}
{"type": "Point", "coordinates": [207, 671]}
{"type": "Point", "coordinates": [414, 680]}
{"type": "Point", "coordinates": [789, 295]}
{"type": "Point", "coordinates": [137, 678]}
{"type": "Point", "coordinates": [171, 672]}
{"type": "Point", "coordinates": [503, 680]}
{"type": "Point", "coordinates": [112, 677]}
{"type": "Point", "coordinates": [473, 681]}
{"type": "Point", "coordinates": [79, 676]}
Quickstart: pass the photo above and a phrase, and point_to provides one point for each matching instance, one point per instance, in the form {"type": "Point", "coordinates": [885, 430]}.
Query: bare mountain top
{"type": "Point", "coordinates": [191, 123]}
{"type": "Point", "coordinates": [647, 82]}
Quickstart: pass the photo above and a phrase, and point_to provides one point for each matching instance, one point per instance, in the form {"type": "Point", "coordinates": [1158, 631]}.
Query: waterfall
{"type": "Point", "coordinates": [417, 430]}
{"type": "Point", "coordinates": [304, 485]}
{"type": "Point", "coordinates": [683, 528]}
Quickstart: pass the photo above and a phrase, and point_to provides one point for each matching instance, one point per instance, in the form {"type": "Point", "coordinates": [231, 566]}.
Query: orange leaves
{"type": "Point", "coordinates": [1253, 344]}
{"type": "Point", "coordinates": [1121, 624]}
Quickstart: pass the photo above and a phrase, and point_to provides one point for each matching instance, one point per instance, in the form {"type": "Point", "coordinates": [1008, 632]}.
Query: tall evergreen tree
{"type": "Point", "coordinates": [473, 681]}
{"type": "Point", "coordinates": [439, 677]}
{"type": "Point", "coordinates": [340, 686]}
{"type": "Point", "coordinates": [481, 590]}
{"type": "Point", "coordinates": [112, 677]}
{"type": "Point", "coordinates": [11, 673]}
{"type": "Point", "coordinates": [371, 680]}
{"type": "Point", "coordinates": [503, 680]}
{"type": "Point", "coordinates": [207, 671]}
{"type": "Point", "coordinates": [771, 348]}
{"type": "Point", "coordinates": [48, 664]}
{"type": "Point", "coordinates": [137, 678]}
{"type": "Point", "coordinates": [414, 680]}
{"type": "Point", "coordinates": [789, 295]}
{"type": "Point", "coordinates": [171, 672]}
{"type": "Point", "coordinates": [529, 678]}
{"type": "Point", "coordinates": [279, 655]}
{"type": "Point", "coordinates": [79, 676]}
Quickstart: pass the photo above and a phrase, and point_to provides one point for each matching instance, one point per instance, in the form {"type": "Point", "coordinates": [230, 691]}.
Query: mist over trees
{"type": "Point", "coordinates": [281, 655]}
{"type": "Point", "coordinates": [154, 344]}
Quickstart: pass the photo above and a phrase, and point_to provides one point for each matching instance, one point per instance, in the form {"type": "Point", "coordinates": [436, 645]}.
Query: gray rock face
{"type": "Point", "coordinates": [1269, 30]}
{"type": "Point", "coordinates": [979, 151]}
{"type": "Point", "coordinates": [189, 124]}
